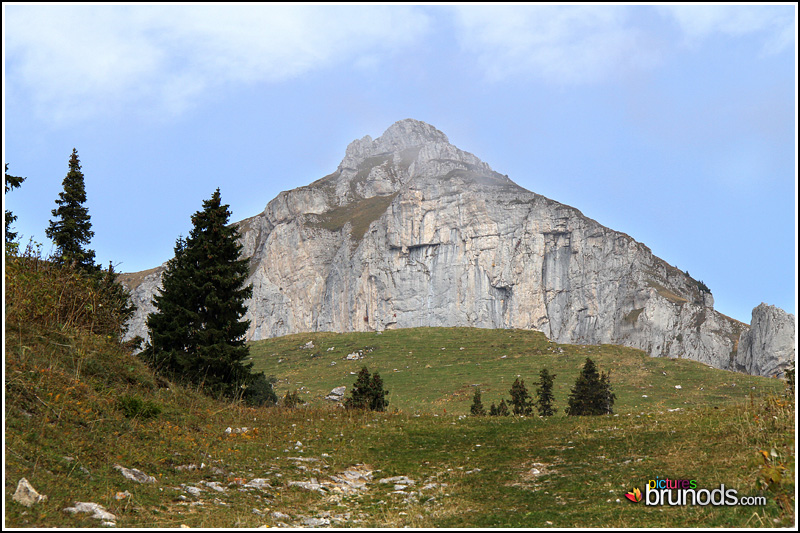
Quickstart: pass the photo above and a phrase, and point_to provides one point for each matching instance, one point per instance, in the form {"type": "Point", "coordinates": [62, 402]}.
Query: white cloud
{"type": "Point", "coordinates": [777, 24]}
{"type": "Point", "coordinates": [573, 44]}
{"type": "Point", "coordinates": [82, 59]}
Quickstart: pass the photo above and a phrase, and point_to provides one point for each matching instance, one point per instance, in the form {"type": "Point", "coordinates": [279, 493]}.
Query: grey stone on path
{"type": "Point", "coordinates": [135, 475]}
{"type": "Point", "coordinates": [26, 494]}
{"type": "Point", "coordinates": [98, 511]}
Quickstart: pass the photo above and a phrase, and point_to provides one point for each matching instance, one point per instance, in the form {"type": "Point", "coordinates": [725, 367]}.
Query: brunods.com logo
{"type": "Point", "coordinates": [666, 491]}
{"type": "Point", "coordinates": [635, 495]}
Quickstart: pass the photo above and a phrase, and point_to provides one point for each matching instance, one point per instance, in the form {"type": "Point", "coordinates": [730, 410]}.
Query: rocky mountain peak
{"type": "Point", "coordinates": [408, 151]}
{"type": "Point", "coordinates": [411, 231]}
{"type": "Point", "coordinates": [400, 136]}
{"type": "Point", "coordinates": [407, 133]}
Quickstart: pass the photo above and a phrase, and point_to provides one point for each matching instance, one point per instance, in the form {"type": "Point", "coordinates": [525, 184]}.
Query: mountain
{"type": "Point", "coordinates": [411, 231]}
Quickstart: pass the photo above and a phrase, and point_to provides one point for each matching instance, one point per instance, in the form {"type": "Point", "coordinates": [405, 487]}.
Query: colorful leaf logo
{"type": "Point", "coordinates": [635, 495]}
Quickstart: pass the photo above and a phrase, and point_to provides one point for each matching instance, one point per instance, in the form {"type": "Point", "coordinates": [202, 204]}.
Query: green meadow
{"type": "Point", "coordinates": [74, 410]}
{"type": "Point", "coordinates": [436, 370]}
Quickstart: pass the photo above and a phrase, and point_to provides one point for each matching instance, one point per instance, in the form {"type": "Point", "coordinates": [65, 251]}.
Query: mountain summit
{"type": "Point", "coordinates": [411, 231]}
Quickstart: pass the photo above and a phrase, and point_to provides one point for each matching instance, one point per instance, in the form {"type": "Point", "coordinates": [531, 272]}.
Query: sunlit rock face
{"type": "Point", "coordinates": [767, 348]}
{"type": "Point", "coordinates": [411, 231]}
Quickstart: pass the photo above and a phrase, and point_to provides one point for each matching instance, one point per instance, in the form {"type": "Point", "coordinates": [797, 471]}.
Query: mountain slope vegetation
{"type": "Point", "coordinates": [80, 409]}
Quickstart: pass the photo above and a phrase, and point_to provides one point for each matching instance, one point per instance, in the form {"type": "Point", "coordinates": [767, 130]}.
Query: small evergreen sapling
{"type": "Point", "coordinates": [520, 398]}
{"type": "Point", "coordinates": [367, 392]}
{"type": "Point", "coordinates": [477, 406]}
{"type": "Point", "coordinates": [544, 394]}
{"type": "Point", "coordinates": [502, 409]}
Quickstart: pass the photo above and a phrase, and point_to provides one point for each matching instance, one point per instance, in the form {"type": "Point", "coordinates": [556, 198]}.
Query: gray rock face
{"type": "Point", "coordinates": [410, 231]}
{"type": "Point", "coordinates": [767, 348]}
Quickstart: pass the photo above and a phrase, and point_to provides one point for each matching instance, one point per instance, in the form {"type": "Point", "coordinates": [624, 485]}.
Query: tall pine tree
{"type": "Point", "coordinates": [544, 394]}
{"type": "Point", "coordinates": [12, 182]}
{"type": "Point", "coordinates": [72, 229]}
{"type": "Point", "coordinates": [197, 332]}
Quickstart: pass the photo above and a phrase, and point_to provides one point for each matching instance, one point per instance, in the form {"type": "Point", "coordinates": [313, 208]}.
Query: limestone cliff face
{"type": "Point", "coordinates": [411, 231]}
{"type": "Point", "coordinates": [767, 348]}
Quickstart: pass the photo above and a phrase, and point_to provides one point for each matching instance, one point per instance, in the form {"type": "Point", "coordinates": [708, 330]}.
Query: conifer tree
{"type": "Point", "coordinates": [360, 393]}
{"type": "Point", "coordinates": [12, 182]}
{"type": "Point", "coordinates": [378, 394]}
{"type": "Point", "coordinates": [520, 398]}
{"type": "Point", "coordinates": [117, 300]}
{"type": "Point", "coordinates": [544, 394]}
{"type": "Point", "coordinates": [493, 410]}
{"type": "Point", "coordinates": [592, 393]}
{"type": "Point", "coordinates": [196, 332]}
{"type": "Point", "coordinates": [367, 392]}
{"type": "Point", "coordinates": [502, 409]}
{"type": "Point", "coordinates": [477, 406]}
{"type": "Point", "coordinates": [72, 229]}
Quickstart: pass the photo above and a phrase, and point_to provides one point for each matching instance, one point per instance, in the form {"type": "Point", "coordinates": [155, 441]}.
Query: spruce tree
{"type": "Point", "coordinates": [12, 182]}
{"type": "Point", "coordinates": [544, 394]}
{"type": "Point", "coordinates": [367, 392]}
{"type": "Point", "coordinates": [116, 299]}
{"type": "Point", "coordinates": [378, 394]}
{"type": "Point", "coordinates": [520, 398]}
{"type": "Point", "coordinates": [72, 229]}
{"type": "Point", "coordinates": [591, 394]}
{"type": "Point", "coordinates": [360, 393]}
{"type": "Point", "coordinates": [477, 406]}
{"type": "Point", "coordinates": [197, 332]}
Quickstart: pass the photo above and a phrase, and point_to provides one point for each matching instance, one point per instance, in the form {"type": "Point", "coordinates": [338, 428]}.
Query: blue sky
{"type": "Point", "coordinates": [674, 124]}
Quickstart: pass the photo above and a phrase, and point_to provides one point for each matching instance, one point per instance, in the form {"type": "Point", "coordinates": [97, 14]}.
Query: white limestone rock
{"type": "Point", "coordinates": [336, 394]}
{"type": "Point", "coordinates": [767, 348]}
{"type": "Point", "coordinates": [26, 494]}
{"type": "Point", "coordinates": [410, 231]}
{"type": "Point", "coordinates": [98, 511]}
{"type": "Point", "coordinates": [134, 474]}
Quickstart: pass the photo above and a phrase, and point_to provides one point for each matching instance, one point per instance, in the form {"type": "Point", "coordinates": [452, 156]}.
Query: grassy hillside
{"type": "Point", "coordinates": [436, 370]}
{"type": "Point", "coordinates": [77, 405]}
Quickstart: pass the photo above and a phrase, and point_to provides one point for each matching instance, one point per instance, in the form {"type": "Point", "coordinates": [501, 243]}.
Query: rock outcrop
{"type": "Point", "coordinates": [411, 231]}
{"type": "Point", "coordinates": [767, 348]}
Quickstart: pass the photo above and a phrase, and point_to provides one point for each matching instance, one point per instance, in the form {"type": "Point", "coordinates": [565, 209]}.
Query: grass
{"type": "Point", "coordinates": [359, 214]}
{"type": "Point", "coordinates": [666, 293]}
{"type": "Point", "coordinates": [436, 370]}
{"type": "Point", "coordinates": [77, 404]}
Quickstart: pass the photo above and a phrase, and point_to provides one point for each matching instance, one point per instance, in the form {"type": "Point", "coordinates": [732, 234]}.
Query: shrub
{"type": "Point", "coordinates": [133, 406]}
{"type": "Point", "coordinates": [42, 292]}
{"type": "Point", "coordinates": [291, 399]}
{"type": "Point", "coordinates": [260, 391]}
{"type": "Point", "coordinates": [789, 376]}
{"type": "Point", "coordinates": [502, 409]}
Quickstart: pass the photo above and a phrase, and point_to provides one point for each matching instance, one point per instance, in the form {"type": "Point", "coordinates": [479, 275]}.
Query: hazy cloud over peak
{"type": "Point", "coordinates": [75, 60]}
{"type": "Point", "coordinates": [775, 23]}
{"type": "Point", "coordinates": [573, 44]}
